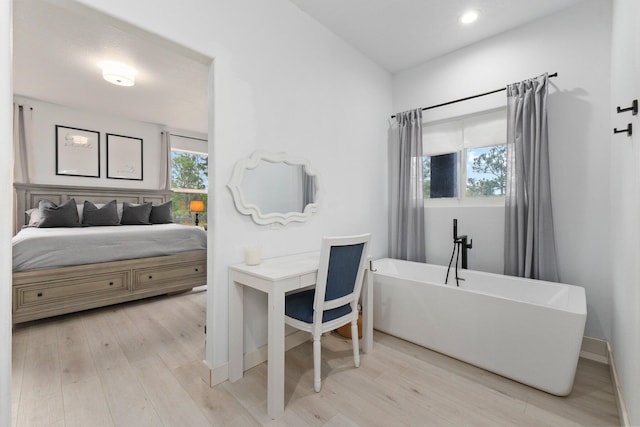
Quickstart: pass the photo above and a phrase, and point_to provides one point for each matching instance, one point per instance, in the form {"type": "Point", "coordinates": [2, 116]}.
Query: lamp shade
{"type": "Point", "coordinates": [196, 206]}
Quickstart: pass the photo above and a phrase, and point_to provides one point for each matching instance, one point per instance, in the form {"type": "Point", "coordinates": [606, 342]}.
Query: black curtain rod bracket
{"type": "Point", "coordinates": [633, 108]}
{"type": "Point", "coordinates": [628, 130]}
{"type": "Point", "coordinates": [469, 97]}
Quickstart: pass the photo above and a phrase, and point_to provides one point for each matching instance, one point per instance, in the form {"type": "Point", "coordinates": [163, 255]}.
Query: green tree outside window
{"type": "Point", "coordinates": [189, 173]}
{"type": "Point", "coordinates": [494, 164]}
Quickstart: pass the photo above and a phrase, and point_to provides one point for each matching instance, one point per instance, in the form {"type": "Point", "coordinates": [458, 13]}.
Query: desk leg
{"type": "Point", "coordinates": [367, 312]}
{"type": "Point", "coordinates": [275, 365]}
{"type": "Point", "coordinates": [236, 330]}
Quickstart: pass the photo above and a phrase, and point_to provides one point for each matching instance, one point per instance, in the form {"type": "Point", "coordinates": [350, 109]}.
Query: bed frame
{"type": "Point", "coordinates": [50, 292]}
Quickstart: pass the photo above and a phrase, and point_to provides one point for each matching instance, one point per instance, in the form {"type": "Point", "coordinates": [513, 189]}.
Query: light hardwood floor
{"type": "Point", "coordinates": [138, 364]}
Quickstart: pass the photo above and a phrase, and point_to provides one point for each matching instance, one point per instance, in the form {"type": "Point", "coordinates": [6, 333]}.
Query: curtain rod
{"type": "Point", "coordinates": [470, 97]}
{"type": "Point", "coordinates": [187, 137]}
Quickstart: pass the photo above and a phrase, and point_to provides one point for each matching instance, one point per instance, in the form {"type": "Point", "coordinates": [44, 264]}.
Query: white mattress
{"type": "Point", "coordinates": [39, 248]}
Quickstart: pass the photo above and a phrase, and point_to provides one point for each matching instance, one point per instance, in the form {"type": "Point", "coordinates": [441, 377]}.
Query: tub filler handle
{"type": "Point", "coordinates": [459, 245]}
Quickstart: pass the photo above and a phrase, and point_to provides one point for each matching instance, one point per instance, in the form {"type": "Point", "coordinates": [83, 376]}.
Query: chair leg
{"type": "Point", "coordinates": [354, 340]}
{"type": "Point", "coordinates": [316, 364]}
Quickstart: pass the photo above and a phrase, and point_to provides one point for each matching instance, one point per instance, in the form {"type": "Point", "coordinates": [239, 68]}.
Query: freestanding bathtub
{"type": "Point", "coordinates": [527, 330]}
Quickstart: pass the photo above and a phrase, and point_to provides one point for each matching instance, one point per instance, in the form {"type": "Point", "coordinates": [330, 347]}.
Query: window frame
{"type": "Point", "coordinates": [187, 190]}
{"type": "Point", "coordinates": [462, 199]}
{"type": "Point", "coordinates": [203, 217]}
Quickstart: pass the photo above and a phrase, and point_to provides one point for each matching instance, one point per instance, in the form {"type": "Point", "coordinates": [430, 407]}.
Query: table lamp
{"type": "Point", "coordinates": [196, 206]}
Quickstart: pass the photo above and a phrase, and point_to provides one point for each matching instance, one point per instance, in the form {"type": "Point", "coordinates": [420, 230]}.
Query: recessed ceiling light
{"type": "Point", "coordinates": [469, 16]}
{"type": "Point", "coordinates": [118, 73]}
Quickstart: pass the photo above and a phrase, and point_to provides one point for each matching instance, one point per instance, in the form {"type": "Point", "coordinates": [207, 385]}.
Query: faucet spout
{"type": "Point", "coordinates": [462, 241]}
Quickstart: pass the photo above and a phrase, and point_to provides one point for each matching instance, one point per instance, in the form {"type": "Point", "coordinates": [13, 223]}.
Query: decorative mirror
{"type": "Point", "coordinates": [274, 188]}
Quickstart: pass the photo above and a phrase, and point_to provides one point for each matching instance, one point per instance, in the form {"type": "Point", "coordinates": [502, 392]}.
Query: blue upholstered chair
{"type": "Point", "coordinates": [334, 301]}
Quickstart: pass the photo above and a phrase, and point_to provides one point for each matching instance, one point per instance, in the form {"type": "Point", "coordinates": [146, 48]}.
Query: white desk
{"type": "Point", "coordinates": [275, 277]}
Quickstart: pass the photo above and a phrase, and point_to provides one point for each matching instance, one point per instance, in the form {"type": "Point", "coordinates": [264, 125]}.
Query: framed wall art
{"type": "Point", "coordinates": [77, 152]}
{"type": "Point", "coordinates": [124, 157]}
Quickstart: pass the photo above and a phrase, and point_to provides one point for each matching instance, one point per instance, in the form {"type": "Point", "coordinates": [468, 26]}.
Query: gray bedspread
{"type": "Point", "coordinates": [39, 248]}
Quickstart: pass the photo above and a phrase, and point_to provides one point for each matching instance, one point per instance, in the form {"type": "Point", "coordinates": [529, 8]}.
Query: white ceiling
{"type": "Point", "coordinates": [57, 50]}
{"type": "Point", "coordinates": [399, 34]}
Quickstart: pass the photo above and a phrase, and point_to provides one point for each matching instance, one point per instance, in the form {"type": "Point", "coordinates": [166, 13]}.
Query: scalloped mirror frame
{"type": "Point", "coordinates": [235, 186]}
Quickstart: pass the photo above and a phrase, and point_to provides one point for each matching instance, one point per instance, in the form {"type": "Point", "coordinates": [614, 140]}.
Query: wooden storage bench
{"type": "Point", "coordinates": [51, 292]}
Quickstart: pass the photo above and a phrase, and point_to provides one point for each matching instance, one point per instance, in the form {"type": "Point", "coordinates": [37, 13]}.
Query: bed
{"type": "Point", "coordinates": [71, 271]}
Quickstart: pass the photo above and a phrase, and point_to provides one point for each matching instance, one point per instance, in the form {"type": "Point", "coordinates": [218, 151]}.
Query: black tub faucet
{"type": "Point", "coordinates": [462, 241]}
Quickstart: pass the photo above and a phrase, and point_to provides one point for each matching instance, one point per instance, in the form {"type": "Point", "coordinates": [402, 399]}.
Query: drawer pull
{"type": "Point", "coordinates": [110, 283]}
{"type": "Point", "coordinates": [39, 294]}
{"type": "Point", "coordinates": [196, 270]}
{"type": "Point", "coordinates": [150, 277]}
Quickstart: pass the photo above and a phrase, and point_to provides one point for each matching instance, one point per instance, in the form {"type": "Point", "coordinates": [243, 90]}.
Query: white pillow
{"type": "Point", "coordinates": [80, 208]}
{"type": "Point", "coordinates": [119, 205]}
{"type": "Point", "coordinates": [34, 217]}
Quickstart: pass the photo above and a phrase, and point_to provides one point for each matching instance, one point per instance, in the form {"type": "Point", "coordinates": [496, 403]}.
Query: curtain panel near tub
{"type": "Point", "coordinates": [407, 238]}
{"type": "Point", "coordinates": [530, 249]}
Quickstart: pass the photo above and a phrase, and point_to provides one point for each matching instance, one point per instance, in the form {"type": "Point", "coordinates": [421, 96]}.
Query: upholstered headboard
{"type": "Point", "coordinates": [28, 196]}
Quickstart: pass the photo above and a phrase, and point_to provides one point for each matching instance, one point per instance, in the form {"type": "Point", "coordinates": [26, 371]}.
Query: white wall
{"type": "Point", "coordinates": [281, 83]}
{"type": "Point", "coordinates": [6, 210]}
{"type": "Point", "coordinates": [576, 44]}
{"type": "Point", "coordinates": [625, 201]}
{"type": "Point", "coordinates": [483, 224]}
{"type": "Point", "coordinates": [42, 151]}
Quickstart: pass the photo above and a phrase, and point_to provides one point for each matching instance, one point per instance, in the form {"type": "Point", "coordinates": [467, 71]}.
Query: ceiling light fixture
{"type": "Point", "coordinates": [469, 16]}
{"type": "Point", "coordinates": [118, 73]}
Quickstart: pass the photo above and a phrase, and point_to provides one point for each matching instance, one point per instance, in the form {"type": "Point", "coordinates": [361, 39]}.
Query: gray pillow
{"type": "Point", "coordinates": [161, 214]}
{"type": "Point", "coordinates": [65, 215]}
{"type": "Point", "coordinates": [105, 215]}
{"type": "Point", "coordinates": [135, 214]}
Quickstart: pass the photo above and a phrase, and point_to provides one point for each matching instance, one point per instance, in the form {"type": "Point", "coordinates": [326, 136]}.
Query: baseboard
{"type": "Point", "coordinates": [600, 351]}
{"type": "Point", "coordinates": [623, 414]}
{"type": "Point", "coordinates": [594, 349]}
{"type": "Point", "coordinates": [219, 374]}
{"type": "Point", "coordinates": [214, 376]}
{"type": "Point", "coordinates": [259, 355]}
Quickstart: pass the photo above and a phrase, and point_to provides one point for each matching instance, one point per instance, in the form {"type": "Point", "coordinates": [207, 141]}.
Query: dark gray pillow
{"type": "Point", "coordinates": [106, 215]}
{"type": "Point", "coordinates": [65, 215]}
{"type": "Point", "coordinates": [161, 214]}
{"type": "Point", "coordinates": [135, 214]}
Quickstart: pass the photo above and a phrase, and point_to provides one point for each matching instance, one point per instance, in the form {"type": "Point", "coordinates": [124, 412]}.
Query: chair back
{"type": "Point", "coordinates": [340, 274]}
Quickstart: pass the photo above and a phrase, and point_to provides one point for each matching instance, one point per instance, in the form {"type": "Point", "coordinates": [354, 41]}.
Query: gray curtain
{"type": "Point", "coordinates": [530, 249]}
{"type": "Point", "coordinates": [165, 161]}
{"type": "Point", "coordinates": [407, 239]}
{"type": "Point", "coordinates": [21, 138]}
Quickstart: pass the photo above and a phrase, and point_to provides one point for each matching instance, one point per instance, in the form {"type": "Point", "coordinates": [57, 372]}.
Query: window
{"type": "Point", "coordinates": [465, 158]}
{"type": "Point", "coordinates": [189, 181]}
{"type": "Point", "coordinates": [486, 171]}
